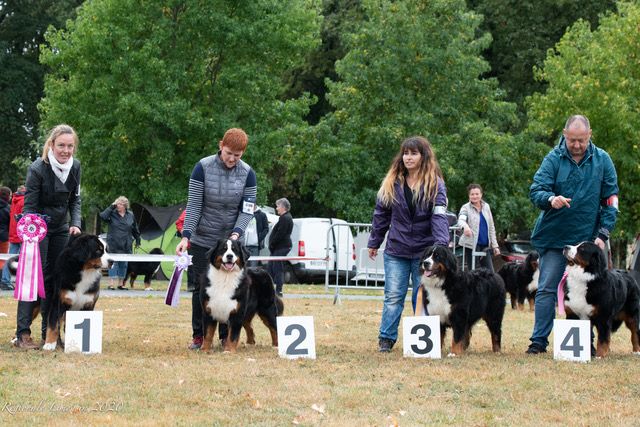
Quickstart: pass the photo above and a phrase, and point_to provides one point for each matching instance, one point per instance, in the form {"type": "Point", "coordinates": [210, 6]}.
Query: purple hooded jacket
{"type": "Point", "coordinates": [409, 236]}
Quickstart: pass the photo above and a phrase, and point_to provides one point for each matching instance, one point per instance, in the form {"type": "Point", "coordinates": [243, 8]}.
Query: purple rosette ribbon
{"type": "Point", "coordinates": [31, 229]}
{"type": "Point", "coordinates": [173, 291]}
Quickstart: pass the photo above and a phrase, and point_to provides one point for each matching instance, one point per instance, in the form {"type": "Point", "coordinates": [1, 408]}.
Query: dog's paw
{"type": "Point", "coordinates": [49, 346]}
{"type": "Point", "coordinates": [452, 355]}
{"type": "Point", "coordinates": [637, 353]}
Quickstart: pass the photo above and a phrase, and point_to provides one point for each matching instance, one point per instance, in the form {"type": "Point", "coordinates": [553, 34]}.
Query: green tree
{"type": "Point", "coordinates": [597, 73]}
{"type": "Point", "coordinates": [414, 68]}
{"type": "Point", "coordinates": [522, 33]}
{"type": "Point", "coordinates": [22, 27]}
{"type": "Point", "coordinates": [152, 86]}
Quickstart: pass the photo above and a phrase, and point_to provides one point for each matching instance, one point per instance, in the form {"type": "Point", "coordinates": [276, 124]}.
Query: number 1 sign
{"type": "Point", "coordinates": [296, 337]}
{"type": "Point", "coordinates": [83, 332]}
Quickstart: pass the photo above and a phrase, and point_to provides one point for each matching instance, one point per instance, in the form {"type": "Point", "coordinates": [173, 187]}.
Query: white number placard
{"type": "Point", "coordinates": [572, 340]}
{"type": "Point", "coordinates": [296, 337]}
{"type": "Point", "coordinates": [83, 332]}
{"type": "Point", "coordinates": [421, 337]}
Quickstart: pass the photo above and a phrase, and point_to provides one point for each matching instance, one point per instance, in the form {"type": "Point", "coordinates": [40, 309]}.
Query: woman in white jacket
{"type": "Point", "coordinates": [479, 231]}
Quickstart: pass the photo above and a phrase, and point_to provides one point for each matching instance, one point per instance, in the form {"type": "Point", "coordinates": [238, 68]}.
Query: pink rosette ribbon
{"type": "Point", "coordinates": [173, 290]}
{"type": "Point", "coordinates": [31, 229]}
{"type": "Point", "coordinates": [561, 294]}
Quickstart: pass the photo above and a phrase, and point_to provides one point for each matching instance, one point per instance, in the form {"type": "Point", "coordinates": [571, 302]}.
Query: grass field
{"type": "Point", "coordinates": [146, 376]}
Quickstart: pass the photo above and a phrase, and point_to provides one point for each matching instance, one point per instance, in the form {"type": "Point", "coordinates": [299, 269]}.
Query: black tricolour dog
{"type": "Point", "coordinates": [461, 298]}
{"type": "Point", "coordinates": [77, 283]}
{"type": "Point", "coordinates": [233, 294]}
{"type": "Point", "coordinates": [605, 297]}
{"type": "Point", "coordinates": [521, 280]}
{"type": "Point", "coordinates": [146, 268]}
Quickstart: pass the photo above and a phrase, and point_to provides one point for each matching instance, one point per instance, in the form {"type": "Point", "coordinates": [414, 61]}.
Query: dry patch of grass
{"type": "Point", "coordinates": [146, 376]}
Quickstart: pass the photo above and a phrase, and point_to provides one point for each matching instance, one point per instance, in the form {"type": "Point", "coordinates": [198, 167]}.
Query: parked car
{"type": "Point", "coordinates": [512, 250]}
{"type": "Point", "coordinates": [309, 239]}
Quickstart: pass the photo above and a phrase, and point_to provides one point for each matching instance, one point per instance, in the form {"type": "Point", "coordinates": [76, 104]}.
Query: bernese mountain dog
{"type": "Point", "coordinates": [233, 294]}
{"type": "Point", "coordinates": [461, 298]}
{"type": "Point", "coordinates": [146, 268]}
{"type": "Point", "coordinates": [605, 297]}
{"type": "Point", "coordinates": [77, 283]}
{"type": "Point", "coordinates": [521, 280]}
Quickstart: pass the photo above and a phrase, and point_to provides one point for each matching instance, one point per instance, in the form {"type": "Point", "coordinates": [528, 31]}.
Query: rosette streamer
{"type": "Point", "coordinates": [173, 290]}
{"type": "Point", "coordinates": [29, 281]}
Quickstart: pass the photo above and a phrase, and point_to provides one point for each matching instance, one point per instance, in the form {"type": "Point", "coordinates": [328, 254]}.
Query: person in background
{"type": "Point", "coordinates": [479, 231]}
{"type": "Point", "coordinates": [17, 203]}
{"type": "Point", "coordinates": [412, 206]}
{"type": "Point", "coordinates": [53, 190]}
{"type": "Point", "coordinates": [255, 234]}
{"type": "Point", "coordinates": [5, 215]}
{"type": "Point", "coordinates": [576, 188]}
{"type": "Point", "coordinates": [120, 235]}
{"type": "Point", "coordinates": [222, 194]}
{"type": "Point", "coordinates": [280, 242]}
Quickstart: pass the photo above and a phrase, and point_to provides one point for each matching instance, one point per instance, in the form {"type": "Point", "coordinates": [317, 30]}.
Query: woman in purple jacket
{"type": "Point", "coordinates": [412, 206]}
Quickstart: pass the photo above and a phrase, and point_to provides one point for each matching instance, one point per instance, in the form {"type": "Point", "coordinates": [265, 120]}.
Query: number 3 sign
{"type": "Point", "coordinates": [296, 337]}
{"type": "Point", "coordinates": [572, 340]}
{"type": "Point", "coordinates": [421, 337]}
{"type": "Point", "coordinates": [83, 332]}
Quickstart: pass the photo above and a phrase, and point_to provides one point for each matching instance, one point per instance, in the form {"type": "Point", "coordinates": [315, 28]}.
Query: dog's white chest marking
{"type": "Point", "coordinates": [79, 298]}
{"type": "Point", "coordinates": [221, 290]}
{"type": "Point", "coordinates": [533, 285]}
{"type": "Point", "coordinates": [438, 303]}
{"type": "Point", "coordinates": [577, 281]}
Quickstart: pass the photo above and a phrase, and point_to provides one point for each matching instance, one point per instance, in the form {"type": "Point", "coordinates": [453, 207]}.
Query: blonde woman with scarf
{"type": "Point", "coordinates": [53, 189]}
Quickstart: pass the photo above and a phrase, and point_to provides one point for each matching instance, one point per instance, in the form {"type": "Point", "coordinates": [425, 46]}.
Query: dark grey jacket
{"type": "Point", "coordinates": [281, 234]}
{"type": "Point", "coordinates": [47, 195]}
{"type": "Point", "coordinates": [223, 192]}
{"type": "Point", "coordinates": [122, 230]}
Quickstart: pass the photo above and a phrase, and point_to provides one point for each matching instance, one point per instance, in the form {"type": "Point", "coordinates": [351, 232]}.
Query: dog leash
{"type": "Point", "coordinates": [561, 293]}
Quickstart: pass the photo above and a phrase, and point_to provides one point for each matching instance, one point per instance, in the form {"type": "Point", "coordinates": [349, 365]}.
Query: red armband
{"type": "Point", "coordinates": [611, 201]}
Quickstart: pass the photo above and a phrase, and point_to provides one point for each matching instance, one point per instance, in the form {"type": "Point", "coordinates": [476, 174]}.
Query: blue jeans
{"type": "Point", "coordinates": [14, 248]}
{"type": "Point", "coordinates": [397, 272]}
{"type": "Point", "coordinates": [118, 270]}
{"type": "Point", "coordinates": [552, 265]}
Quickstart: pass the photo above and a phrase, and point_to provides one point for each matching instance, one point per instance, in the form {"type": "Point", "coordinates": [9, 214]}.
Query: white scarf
{"type": "Point", "coordinates": [60, 169]}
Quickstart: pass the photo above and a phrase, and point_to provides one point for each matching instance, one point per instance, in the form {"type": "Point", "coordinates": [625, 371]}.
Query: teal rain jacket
{"type": "Point", "coordinates": [589, 185]}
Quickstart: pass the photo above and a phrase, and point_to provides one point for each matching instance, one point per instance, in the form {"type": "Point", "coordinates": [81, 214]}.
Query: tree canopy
{"type": "Point", "coordinates": [597, 73]}
{"type": "Point", "coordinates": [414, 67]}
{"type": "Point", "coordinates": [152, 86]}
{"type": "Point", "coordinates": [22, 27]}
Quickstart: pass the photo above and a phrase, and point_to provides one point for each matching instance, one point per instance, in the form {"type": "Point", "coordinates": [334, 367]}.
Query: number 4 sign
{"type": "Point", "coordinates": [83, 332]}
{"type": "Point", "coordinates": [296, 337]}
{"type": "Point", "coordinates": [572, 340]}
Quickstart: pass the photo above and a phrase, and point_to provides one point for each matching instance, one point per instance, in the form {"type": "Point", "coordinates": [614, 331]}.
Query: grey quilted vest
{"type": "Point", "coordinates": [223, 191]}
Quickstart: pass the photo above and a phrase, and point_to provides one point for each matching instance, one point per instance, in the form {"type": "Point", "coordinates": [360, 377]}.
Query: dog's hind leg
{"type": "Point", "coordinates": [634, 326]}
{"type": "Point", "coordinates": [268, 317]}
{"type": "Point", "coordinates": [248, 329]}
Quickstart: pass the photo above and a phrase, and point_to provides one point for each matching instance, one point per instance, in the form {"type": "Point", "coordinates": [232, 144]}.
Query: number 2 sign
{"type": "Point", "coordinates": [296, 337]}
{"type": "Point", "coordinates": [83, 332]}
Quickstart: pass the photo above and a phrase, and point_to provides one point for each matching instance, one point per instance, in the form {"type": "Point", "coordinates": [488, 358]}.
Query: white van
{"type": "Point", "coordinates": [309, 239]}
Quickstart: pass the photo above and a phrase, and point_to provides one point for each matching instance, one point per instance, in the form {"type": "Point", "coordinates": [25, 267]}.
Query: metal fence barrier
{"type": "Point", "coordinates": [363, 273]}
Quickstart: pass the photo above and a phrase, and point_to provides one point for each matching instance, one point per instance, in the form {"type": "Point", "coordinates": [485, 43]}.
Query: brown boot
{"type": "Point", "coordinates": [26, 343]}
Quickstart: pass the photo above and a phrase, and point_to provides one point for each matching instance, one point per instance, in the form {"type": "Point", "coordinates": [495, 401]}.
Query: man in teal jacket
{"type": "Point", "coordinates": [576, 187]}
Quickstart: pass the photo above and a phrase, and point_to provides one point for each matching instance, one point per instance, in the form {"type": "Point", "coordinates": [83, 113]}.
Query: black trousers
{"type": "Point", "coordinates": [198, 271]}
{"type": "Point", "coordinates": [276, 268]}
{"type": "Point", "coordinates": [484, 261]}
{"type": "Point", "coordinates": [50, 247]}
